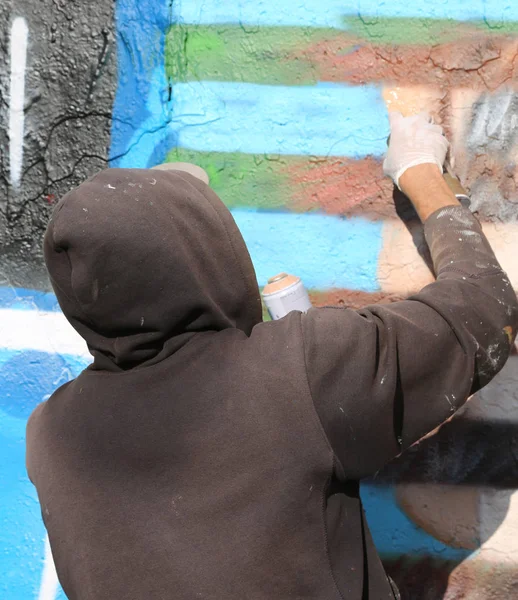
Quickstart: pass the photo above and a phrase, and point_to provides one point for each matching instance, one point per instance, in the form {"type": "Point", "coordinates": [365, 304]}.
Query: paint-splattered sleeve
{"type": "Point", "coordinates": [384, 376]}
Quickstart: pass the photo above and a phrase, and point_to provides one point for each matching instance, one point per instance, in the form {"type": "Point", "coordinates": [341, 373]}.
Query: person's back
{"type": "Point", "coordinates": [206, 454]}
{"type": "Point", "coordinates": [206, 474]}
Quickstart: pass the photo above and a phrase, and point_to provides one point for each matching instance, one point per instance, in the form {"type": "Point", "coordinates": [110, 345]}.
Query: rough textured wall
{"type": "Point", "coordinates": [285, 105]}
{"type": "Point", "coordinates": [70, 79]}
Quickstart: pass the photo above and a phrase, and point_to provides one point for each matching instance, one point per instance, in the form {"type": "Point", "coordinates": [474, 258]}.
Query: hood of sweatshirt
{"type": "Point", "coordinates": [142, 260]}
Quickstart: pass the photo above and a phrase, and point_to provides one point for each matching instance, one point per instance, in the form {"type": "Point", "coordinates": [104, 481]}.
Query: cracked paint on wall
{"type": "Point", "coordinates": [285, 106]}
{"type": "Point", "coordinates": [69, 86]}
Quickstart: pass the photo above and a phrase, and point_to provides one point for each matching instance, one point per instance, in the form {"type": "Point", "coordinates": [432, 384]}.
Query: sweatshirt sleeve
{"type": "Point", "coordinates": [383, 377]}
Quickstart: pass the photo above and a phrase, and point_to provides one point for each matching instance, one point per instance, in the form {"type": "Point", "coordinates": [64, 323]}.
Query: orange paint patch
{"type": "Point", "coordinates": [343, 186]}
{"type": "Point", "coordinates": [509, 332]}
{"type": "Point", "coordinates": [477, 62]}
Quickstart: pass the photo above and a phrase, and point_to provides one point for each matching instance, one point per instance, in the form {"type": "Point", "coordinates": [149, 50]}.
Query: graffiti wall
{"type": "Point", "coordinates": [285, 105]}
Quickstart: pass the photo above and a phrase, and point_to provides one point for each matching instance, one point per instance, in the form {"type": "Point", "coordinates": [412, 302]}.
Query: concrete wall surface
{"type": "Point", "coordinates": [285, 105]}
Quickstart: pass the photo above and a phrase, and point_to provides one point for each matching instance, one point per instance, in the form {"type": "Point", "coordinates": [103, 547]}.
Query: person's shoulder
{"type": "Point", "coordinates": [41, 410]}
{"type": "Point", "coordinates": [35, 416]}
{"type": "Point", "coordinates": [279, 330]}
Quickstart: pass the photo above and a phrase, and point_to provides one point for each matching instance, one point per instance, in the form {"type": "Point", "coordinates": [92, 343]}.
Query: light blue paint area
{"type": "Point", "coordinates": [330, 13]}
{"type": "Point", "coordinates": [395, 534]}
{"type": "Point", "coordinates": [324, 250]}
{"type": "Point", "coordinates": [27, 299]}
{"type": "Point", "coordinates": [327, 119]}
{"type": "Point", "coordinates": [26, 379]}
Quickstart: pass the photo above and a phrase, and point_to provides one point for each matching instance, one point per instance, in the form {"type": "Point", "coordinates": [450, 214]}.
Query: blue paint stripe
{"type": "Point", "coordinates": [324, 250]}
{"type": "Point", "coordinates": [26, 299]}
{"type": "Point", "coordinates": [327, 119]}
{"type": "Point", "coordinates": [330, 13]}
{"type": "Point", "coordinates": [395, 534]}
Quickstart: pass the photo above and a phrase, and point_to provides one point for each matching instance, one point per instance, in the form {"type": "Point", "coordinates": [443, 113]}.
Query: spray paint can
{"type": "Point", "coordinates": [285, 293]}
{"type": "Point", "coordinates": [455, 185]}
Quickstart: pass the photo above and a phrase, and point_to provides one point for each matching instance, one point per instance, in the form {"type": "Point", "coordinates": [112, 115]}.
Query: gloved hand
{"type": "Point", "coordinates": [413, 141]}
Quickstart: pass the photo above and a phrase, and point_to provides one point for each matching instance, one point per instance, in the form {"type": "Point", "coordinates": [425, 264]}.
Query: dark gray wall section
{"type": "Point", "coordinates": [70, 86]}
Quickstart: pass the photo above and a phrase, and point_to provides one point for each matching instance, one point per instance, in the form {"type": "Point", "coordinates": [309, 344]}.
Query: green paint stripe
{"type": "Point", "coordinates": [284, 55]}
{"type": "Point", "coordinates": [244, 180]}
{"type": "Point", "coordinates": [423, 31]}
{"type": "Point", "coordinates": [233, 53]}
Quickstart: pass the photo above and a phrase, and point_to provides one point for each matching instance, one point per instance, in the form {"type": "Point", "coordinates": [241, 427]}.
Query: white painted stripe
{"type": "Point", "coordinates": [49, 578]}
{"type": "Point", "coordinates": [18, 53]}
{"type": "Point", "coordinates": [43, 331]}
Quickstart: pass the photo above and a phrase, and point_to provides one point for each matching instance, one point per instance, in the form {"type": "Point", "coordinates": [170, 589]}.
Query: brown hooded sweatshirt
{"type": "Point", "coordinates": [206, 454]}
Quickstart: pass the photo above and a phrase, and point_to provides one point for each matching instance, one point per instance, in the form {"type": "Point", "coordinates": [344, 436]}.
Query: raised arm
{"type": "Point", "coordinates": [383, 377]}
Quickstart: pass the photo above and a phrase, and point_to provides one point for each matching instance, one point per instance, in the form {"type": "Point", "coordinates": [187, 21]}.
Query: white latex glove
{"type": "Point", "coordinates": [413, 141]}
